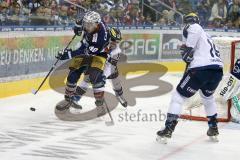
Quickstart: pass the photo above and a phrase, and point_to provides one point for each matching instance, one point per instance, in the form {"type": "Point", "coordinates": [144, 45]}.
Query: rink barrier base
{"type": "Point", "coordinates": [24, 86]}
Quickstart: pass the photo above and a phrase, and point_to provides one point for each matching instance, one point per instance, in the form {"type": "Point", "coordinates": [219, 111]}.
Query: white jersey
{"type": "Point", "coordinates": [206, 54]}
{"type": "Point", "coordinates": [109, 68]}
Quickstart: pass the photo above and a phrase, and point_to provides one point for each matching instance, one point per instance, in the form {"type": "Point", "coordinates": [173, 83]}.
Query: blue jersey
{"type": "Point", "coordinates": [94, 43]}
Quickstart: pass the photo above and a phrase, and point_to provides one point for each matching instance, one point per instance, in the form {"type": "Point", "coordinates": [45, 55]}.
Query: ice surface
{"type": "Point", "coordinates": [40, 135]}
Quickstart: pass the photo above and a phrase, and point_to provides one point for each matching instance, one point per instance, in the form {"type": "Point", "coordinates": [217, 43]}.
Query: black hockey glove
{"type": "Point", "coordinates": [78, 31]}
{"type": "Point", "coordinates": [187, 53]}
{"type": "Point", "coordinates": [63, 55]}
{"type": "Point", "coordinates": [78, 28]}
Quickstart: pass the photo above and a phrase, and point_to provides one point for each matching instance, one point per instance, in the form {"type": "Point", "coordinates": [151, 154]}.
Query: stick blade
{"type": "Point", "coordinates": [34, 91]}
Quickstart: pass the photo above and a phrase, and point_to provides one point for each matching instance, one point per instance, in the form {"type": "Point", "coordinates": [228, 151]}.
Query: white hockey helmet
{"type": "Point", "coordinates": [92, 17]}
{"type": "Point", "coordinates": [91, 20]}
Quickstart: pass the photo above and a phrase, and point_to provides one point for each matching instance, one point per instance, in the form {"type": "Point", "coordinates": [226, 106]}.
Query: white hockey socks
{"type": "Point", "coordinates": [209, 104]}
{"type": "Point", "coordinates": [176, 103]}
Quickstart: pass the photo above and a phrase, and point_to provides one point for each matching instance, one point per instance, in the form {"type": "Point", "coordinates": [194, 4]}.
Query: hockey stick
{"type": "Point", "coordinates": [186, 68]}
{"type": "Point", "coordinates": [53, 67]}
{"type": "Point", "coordinates": [111, 122]}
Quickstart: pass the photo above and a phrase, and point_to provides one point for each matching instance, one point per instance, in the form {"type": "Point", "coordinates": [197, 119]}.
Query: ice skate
{"type": "Point", "coordinates": [63, 105]}
{"type": "Point", "coordinates": [67, 103]}
{"type": "Point", "coordinates": [213, 134]}
{"type": "Point", "coordinates": [213, 128]}
{"type": "Point", "coordinates": [164, 135]}
{"type": "Point", "coordinates": [75, 104]}
{"type": "Point", "coordinates": [100, 108]}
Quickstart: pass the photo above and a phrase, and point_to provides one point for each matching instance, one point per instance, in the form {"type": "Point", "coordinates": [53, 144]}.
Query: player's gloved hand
{"type": "Point", "coordinates": [187, 53]}
{"type": "Point", "coordinates": [78, 28]}
{"type": "Point", "coordinates": [64, 54]}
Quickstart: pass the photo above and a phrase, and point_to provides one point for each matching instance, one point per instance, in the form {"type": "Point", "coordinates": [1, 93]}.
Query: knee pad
{"type": "Point", "coordinates": [178, 98]}
{"type": "Point", "coordinates": [96, 78]}
{"type": "Point", "coordinates": [209, 104]}
{"type": "Point", "coordinates": [113, 76]}
{"type": "Point", "coordinates": [176, 103]}
{"type": "Point", "coordinates": [206, 99]}
{"type": "Point", "coordinates": [75, 74]}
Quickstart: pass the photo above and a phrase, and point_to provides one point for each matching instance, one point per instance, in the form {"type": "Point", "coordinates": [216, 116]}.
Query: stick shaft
{"type": "Point", "coordinates": [109, 112]}
{"type": "Point", "coordinates": [53, 67]}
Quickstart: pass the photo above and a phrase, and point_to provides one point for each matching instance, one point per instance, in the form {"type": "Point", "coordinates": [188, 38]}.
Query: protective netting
{"type": "Point", "coordinates": [193, 108]}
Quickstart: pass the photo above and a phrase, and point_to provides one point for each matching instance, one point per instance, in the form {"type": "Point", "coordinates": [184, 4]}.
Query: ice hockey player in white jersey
{"type": "Point", "coordinates": [110, 69]}
{"type": "Point", "coordinates": [203, 73]}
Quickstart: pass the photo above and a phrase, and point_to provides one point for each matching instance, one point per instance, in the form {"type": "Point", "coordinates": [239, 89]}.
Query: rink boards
{"type": "Point", "coordinates": [24, 86]}
{"type": "Point", "coordinates": [27, 56]}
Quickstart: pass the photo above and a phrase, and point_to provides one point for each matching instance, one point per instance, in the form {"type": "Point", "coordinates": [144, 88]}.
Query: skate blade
{"type": "Point", "coordinates": [33, 91]}
{"type": "Point", "coordinates": [213, 138]}
{"type": "Point", "coordinates": [63, 105]}
{"type": "Point", "coordinates": [76, 106]}
{"type": "Point", "coordinates": [162, 140]}
{"type": "Point", "coordinates": [124, 104]}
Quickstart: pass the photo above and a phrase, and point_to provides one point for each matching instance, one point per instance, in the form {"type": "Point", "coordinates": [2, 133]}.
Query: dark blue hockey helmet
{"type": "Point", "coordinates": [191, 18]}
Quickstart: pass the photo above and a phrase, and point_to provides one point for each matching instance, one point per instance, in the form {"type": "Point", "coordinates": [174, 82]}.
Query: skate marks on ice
{"type": "Point", "coordinates": [57, 140]}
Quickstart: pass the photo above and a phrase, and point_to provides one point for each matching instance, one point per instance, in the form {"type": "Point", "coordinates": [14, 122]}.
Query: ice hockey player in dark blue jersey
{"type": "Point", "coordinates": [110, 70]}
{"type": "Point", "coordinates": [90, 56]}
